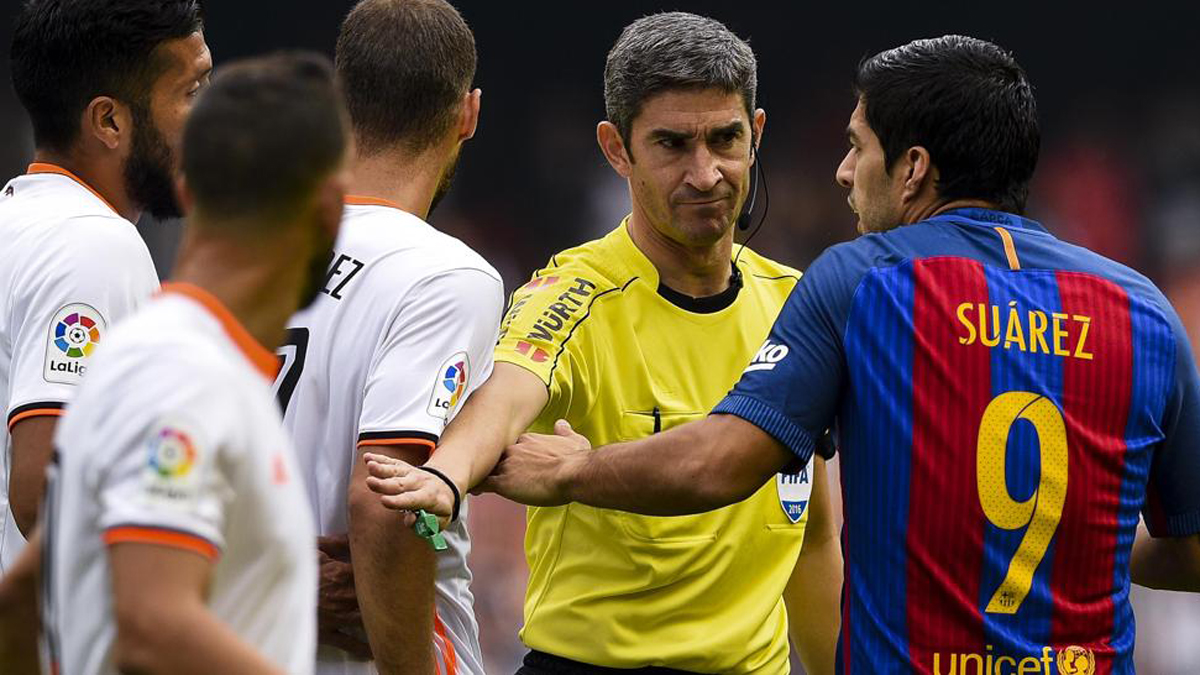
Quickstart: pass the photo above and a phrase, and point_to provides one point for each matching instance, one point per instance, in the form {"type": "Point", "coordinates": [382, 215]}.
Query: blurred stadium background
{"type": "Point", "coordinates": [1119, 171]}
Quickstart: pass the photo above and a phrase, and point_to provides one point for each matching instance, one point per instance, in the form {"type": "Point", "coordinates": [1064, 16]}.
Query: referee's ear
{"type": "Point", "coordinates": [614, 149]}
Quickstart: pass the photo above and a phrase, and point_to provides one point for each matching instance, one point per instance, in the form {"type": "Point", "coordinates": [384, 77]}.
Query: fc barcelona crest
{"type": "Point", "coordinates": [794, 491]}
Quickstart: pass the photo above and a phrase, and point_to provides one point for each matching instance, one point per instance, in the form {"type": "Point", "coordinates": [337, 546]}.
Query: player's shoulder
{"type": "Point", "coordinates": [398, 246]}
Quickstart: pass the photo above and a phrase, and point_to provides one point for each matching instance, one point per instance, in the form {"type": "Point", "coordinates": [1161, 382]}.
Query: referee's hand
{"type": "Point", "coordinates": [535, 470]}
{"type": "Point", "coordinates": [403, 487]}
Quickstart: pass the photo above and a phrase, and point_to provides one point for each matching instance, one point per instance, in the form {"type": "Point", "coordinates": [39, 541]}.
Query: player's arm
{"type": "Point", "coordinates": [97, 279]}
{"type": "Point", "coordinates": [19, 610]}
{"type": "Point", "coordinates": [813, 593]}
{"type": "Point", "coordinates": [394, 571]}
{"type": "Point", "coordinates": [492, 418]}
{"type": "Point", "coordinates": [695, 467]}
{"type": "Point", "coordinates": [1167, 563]}
{"type": "Point", "coordinates": [32, 447]}
{"type": "Point", "coordinates": [1166, 553]}
{"type": "Point", "coordinates": [443, 333]}
{"type": "Point", "coordinates": [163, 623]}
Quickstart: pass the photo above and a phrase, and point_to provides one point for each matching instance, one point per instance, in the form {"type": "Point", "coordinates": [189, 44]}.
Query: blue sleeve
{"type": "Point", "coordinates": [1173, 499]}
{"type": "Point", "coordinates": [791, 388]}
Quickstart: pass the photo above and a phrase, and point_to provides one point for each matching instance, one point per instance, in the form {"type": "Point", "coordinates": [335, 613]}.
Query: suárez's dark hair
{"type": "Point", "coordinates": [404, 66]}
{"type": "Point", "coordinates": [674, 50]}
{"type": "Point", "coordinates": [67, 52]}
{"type": "Point", "coordinates": [968, 103]}
{"type": "Point", "coordinates": [263, 135]}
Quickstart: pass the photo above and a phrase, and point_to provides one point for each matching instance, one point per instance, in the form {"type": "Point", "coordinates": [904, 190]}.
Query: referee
{"type": "Point", "coordinates": [635, 333]}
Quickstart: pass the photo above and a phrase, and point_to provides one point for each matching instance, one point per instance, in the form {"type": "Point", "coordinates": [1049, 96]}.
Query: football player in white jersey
{"type": "Point", "coordinates": [401, 335]}
{"type": "Point", "coordinates": [176, 527]}
{"type": "Point", "coordinates": [107, 84]}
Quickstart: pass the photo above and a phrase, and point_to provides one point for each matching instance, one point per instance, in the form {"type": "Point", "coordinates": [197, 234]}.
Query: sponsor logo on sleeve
{"type": "Point", "coordinates": [767, 357]}
{"type": "Point", "coordinates": [449, 386]}
{"type": "Point", "coordinates": [75, 331]}
{"type": "Point", "coordinates": [795, 490]}
{"type": "Point", "coordinates": [169, 475]}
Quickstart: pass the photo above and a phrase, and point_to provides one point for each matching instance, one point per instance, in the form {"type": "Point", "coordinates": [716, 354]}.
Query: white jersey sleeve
{"type": "Point", "coordinates": [436, 350]}
{"type": "Point", "coordinates": [66, 299]}
{"type": "Point", "coordinates": [164, 479]}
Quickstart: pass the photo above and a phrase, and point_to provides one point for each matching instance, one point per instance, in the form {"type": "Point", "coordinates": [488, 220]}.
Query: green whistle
{"type": "Point", "coordinates": [427, 528]}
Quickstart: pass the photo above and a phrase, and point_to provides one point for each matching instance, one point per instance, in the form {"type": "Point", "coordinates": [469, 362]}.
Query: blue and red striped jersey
{"type": "Point", "coordinates": [1006, 405]}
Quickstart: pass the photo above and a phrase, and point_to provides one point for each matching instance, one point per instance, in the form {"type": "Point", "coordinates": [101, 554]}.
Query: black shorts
{"type": "Point", "coordinates": [541, 663]}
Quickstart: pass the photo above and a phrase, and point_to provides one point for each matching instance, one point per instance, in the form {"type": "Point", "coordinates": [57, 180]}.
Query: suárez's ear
{"type": "Point", "coordinates": [614, 149]}
{"type": "Point", "coordinates": [919, 171]}
{"type": "Point", "coordinates": [108, 121]}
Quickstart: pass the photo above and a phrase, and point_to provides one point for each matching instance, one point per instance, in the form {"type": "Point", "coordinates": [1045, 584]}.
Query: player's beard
{"type": "Point", "coordinates": [443, 184]}
{"type": "Point", "coordinates": [149, 171]}
{"type": "Point", "coordinates": [318, 273]}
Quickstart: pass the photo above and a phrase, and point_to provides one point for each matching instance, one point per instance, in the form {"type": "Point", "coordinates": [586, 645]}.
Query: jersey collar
{"type": "Point", "coordinates": [46, 167]}
{"type": "Point", "coordinates": [263, 360]}
{"type": "Point", "coordinates": [359, 200]}
{"type": "Point", "coordinates": [991, 217]}
{"type": "Point", "coordinates": [639, 265]}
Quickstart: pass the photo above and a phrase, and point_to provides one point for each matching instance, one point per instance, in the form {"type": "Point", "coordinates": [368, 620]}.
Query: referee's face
{"type": "Point", "coordinates": [689, 163]}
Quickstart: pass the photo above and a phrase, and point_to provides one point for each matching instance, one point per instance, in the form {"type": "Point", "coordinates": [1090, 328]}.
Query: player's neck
{"type": "Point", "coordinates": [407, 180]}
{"type": "Point", "coordinates": [935, 207]}
{"type": "Point", "coordinates": [257, 282]}
{"type": "Point", "coordinates": [107, 181]}
{"type": "Point", "coordinates": [696, 271]}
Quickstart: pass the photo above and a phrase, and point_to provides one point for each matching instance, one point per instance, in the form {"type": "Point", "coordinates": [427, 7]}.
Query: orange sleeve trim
{"type": "Point", "coordinates": [448, 656]}
{"type": "Point", "coordinates": [1010, 249]}
{"type": "Point", "coordinates": [398, 441]}
{"type": "Point", "coordinates": [130, 534]}
{"type": "Point", "coordinates": [37, 412]}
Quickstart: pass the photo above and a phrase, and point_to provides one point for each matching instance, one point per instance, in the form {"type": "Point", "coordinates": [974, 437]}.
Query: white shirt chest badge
{"type": "Point", "coordinates": [795, 489]}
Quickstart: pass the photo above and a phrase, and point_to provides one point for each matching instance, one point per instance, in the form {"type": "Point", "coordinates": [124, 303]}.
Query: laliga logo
{"type": "Point", "coordinates": [455, 381]}
{"type": "Point", "coordinates": [172, 454]}
{"type": "Point", "coordinates": [450, 386]}
{"type": "Point", "coordinates": [76, 335]}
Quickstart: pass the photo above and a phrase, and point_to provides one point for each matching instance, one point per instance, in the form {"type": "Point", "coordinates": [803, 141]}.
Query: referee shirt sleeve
{"type": "Point", "coordinates": [436, 350]}
{"type": "Point", "coordinates": [791, 387]}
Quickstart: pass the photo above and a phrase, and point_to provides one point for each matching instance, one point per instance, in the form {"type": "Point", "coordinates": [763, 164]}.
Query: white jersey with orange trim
{"type": "Point", "coordinates": [399, 338]}
{"type": "Point", "coordinates": [70, 267]}
{"type": "Point", "coordinates": [174, 439]}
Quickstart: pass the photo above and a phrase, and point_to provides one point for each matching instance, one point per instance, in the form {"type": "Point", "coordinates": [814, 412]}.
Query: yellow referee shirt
{"type": "Point", "coordinates": [702, 593]}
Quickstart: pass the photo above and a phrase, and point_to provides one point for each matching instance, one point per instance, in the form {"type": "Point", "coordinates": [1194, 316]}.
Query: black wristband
{"type": "Point", "coordinates": [453, 488]}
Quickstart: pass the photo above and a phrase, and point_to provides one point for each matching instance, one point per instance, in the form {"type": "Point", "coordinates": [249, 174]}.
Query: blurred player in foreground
{"type": "Point", "coordinates": [639, 332]}
{"type": "Point", "coordinates": [176, 533]}
{"type": "Point", "coordinates": [399, 337]}
{"type": "Point", "coordinates": [107, 84]}
{"type": "Point", "coordinates": [1007, 402]}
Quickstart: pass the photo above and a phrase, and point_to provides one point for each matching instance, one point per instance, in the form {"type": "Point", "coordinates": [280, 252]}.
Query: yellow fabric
{"type": "Point", "coordinates": [700, 593]}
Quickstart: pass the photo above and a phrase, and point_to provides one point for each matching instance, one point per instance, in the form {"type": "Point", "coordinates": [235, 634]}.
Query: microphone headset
{"type": "Point", "coordinates": [747, 215]}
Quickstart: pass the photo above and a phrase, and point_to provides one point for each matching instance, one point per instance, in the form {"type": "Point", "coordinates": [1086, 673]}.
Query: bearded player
{"type": "Point", "coordinates": [107, 85]}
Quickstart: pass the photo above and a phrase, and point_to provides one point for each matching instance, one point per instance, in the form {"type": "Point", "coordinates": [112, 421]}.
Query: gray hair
{"type": "Point", "coordinates": [674, 50]}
